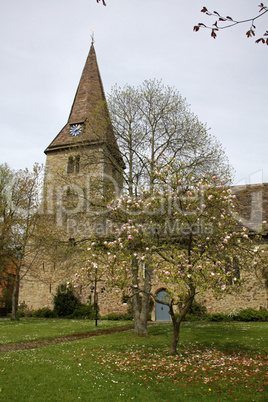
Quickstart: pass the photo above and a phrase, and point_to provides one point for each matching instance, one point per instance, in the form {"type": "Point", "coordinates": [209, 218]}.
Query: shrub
{"type": "Point", "coordinates": [197, 309]}
{"type": "Point", "coordinates": [23, 310]}
{"type": "Point", "coordinates": [233, 313]}
{"type": "Point", "coordinates": [65, 302]}
{"type": "Point", "coordinates": [43, 313]}
{"type": "Point", "coordinates": [217, 317]}
{"type": "Point", "coordinates": [113, 317]}
{"type": "Point", "coordinates": [192, 317]}
{"type": "Point", "coordinates": [250, 314]}
{"type": "Point", "coordinates": [196, 313]}
{"type": "Point", "coordinates": [83, 311]}
{"type": "Point", "coordinates": [20, 314]}
{"type": "Point", "coordinates": [118, 317]}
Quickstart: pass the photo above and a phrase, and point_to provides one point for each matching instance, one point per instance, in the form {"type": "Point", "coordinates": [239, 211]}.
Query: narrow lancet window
{"type": "Point", "coordinates": [77, 163]}
{"type": "Point", "coordinates": [70, 167]}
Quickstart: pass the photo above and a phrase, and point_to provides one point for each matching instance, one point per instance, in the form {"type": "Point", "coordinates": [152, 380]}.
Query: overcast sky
{"type": "Point", "coordinates": [44, 45]}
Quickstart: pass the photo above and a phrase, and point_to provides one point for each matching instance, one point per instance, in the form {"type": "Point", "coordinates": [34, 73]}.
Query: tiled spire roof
{"type": "Point", "coordinates": [90, 108]}
{"type": "Point", "coordinates": [90, 92]}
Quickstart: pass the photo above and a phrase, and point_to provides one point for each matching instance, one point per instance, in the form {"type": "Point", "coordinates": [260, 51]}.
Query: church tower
{"type": "Point", "coordinates": [84, 169]}
{"type": "Point", "coordinates": [84, 164]}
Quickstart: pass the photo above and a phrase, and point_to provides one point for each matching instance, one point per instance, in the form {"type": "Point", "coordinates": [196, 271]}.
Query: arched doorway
{"type": "Point", "coordinates": [161, 310]}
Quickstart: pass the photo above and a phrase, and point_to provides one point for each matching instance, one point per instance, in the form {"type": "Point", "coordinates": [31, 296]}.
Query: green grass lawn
{"type": "Point", "coordinates": [27, 329]}
{"type": "Point", "coordinates": [215, 362]}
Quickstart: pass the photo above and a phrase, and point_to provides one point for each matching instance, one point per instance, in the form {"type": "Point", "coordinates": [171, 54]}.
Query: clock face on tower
{"type": "Point", "coordinates": [75, 130]}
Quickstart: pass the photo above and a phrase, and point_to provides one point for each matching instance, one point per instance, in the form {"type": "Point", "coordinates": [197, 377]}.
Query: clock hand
{"type": "Point", "coordinates": [76, 130]}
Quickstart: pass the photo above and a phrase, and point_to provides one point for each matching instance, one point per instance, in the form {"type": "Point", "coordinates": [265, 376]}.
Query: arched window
{"type": "Point", "coordinates": [73, 164]}
{"type": "Point", "coordinates": [70, 166]}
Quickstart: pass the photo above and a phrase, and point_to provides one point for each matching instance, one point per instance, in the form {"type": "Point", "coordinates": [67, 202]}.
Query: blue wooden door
{"type": "Point", "coordinates": [161, 310]}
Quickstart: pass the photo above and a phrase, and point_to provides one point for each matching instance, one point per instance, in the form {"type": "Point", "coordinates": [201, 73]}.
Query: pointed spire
{"type": "Point", "coordinates": [89, 104]}
{"type": "Point", "coordinates": [90, 92]}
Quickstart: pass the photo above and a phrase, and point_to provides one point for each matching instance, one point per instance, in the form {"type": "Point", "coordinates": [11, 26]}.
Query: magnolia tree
{"type": "Point", "coordinates": [203, 240]}
{"type": "Point", "coordinates": [183, 236]}
{"type": "Point", "coordinates": [122, 259]}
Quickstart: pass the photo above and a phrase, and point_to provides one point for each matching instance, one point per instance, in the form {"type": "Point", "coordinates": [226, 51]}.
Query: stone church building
{"type": "Point", "coordinates": [83, 168]}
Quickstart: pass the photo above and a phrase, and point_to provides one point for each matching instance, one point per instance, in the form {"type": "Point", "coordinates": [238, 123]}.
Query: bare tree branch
{"type": "Point", "coordinates": [228, 22]}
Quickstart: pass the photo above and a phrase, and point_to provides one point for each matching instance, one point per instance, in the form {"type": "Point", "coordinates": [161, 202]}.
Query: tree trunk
{"type": "Point", "coordinates": [141, 307]}
{"type": "Point", "coordinates": [15, 295]}
{"type": "Point", "coordinates": [140, 325]}
{"type": "Point", "coordinates": [130, 174]}
{"type": "Point", "coordinates": [177, 322]}
{"type": "Point", "coordinates": [152, 163]}
{"type": "Point", "coordinates": [175, 338]}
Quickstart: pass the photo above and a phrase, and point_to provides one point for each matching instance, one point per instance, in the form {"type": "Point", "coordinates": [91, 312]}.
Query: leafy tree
{"type": "Point", "coordinates": [7, 268]}
{"type": "Point", "coordinates": [228, 22]}
{"type": "Point", "coordinates": [6, 177]}
{"type": "Point", "coordinates": [180, 236]}
{"type": "Point", "coordinates": [153, 120]}
{"type": "Point", "coordinates": [19, 202]}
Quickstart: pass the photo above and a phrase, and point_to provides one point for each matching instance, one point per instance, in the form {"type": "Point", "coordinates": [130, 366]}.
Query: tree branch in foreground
{"type": "Point", "coordinates": [229, 22]}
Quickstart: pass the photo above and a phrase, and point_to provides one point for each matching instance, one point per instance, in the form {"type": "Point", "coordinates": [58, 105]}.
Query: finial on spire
{"type": "Point", "coordinates": [92, 35]}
